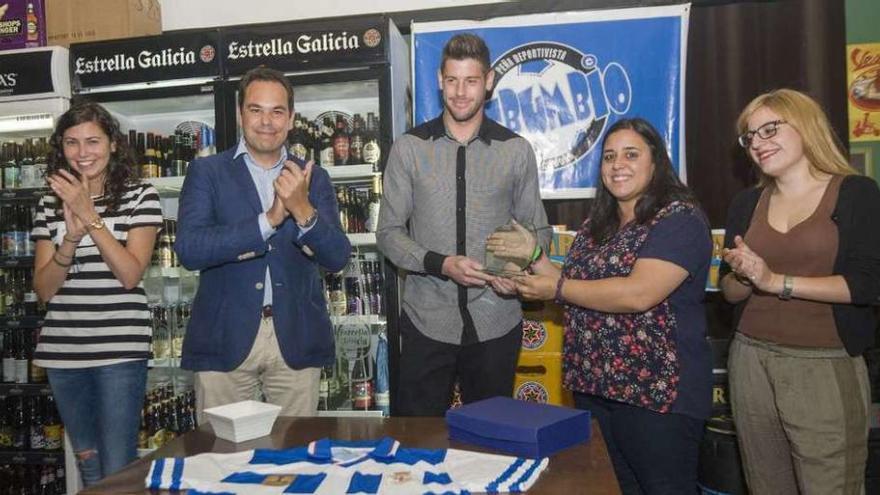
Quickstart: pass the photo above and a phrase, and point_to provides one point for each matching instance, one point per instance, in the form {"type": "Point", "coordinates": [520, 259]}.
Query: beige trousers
{"type": "Point", "coordinates": [265, 373]}
{"type": "Point", "coordinates": [801, 418]}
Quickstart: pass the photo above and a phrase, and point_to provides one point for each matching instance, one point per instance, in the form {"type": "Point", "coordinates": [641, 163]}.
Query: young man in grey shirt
{"type": "Point", "coordinates": [449, 183]}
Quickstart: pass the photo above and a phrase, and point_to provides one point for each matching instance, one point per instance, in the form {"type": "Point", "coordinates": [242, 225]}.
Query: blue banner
{"type": "Point", "coordinates": [563, 79]}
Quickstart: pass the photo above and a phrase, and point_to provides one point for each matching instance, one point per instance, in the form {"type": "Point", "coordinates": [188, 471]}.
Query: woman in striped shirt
{"type": "Point", "coordinates": [95, 233]}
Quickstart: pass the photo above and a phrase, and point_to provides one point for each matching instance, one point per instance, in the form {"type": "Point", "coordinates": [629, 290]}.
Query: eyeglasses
{"type": "Point", "coordinates": [766, 131]}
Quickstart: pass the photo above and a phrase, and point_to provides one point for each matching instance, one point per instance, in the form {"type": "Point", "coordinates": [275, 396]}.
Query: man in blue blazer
{"type": "Point", "coordinates": [258, 227]}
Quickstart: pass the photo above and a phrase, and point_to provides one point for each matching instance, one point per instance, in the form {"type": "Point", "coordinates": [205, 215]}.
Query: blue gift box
{"type": "Point", "coordinates": [525, 429]}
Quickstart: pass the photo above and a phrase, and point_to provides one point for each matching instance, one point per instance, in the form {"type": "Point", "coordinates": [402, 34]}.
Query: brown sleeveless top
{"type": "Point", "coordinates": [808, 250]}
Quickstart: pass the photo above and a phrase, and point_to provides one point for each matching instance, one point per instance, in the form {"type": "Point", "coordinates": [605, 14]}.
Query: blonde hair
{"type": "Point", "coordinates": [822, 147]}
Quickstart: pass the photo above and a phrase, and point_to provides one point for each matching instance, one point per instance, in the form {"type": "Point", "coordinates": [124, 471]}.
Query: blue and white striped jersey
{"type": "Point", "coordinates": [336, 467]}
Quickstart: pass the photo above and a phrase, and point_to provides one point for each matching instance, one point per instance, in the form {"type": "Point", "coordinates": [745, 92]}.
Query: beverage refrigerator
{"type": "Point", "coordinates": [165, 91]}
{"type": "Point", "coordinates": [34, 92]}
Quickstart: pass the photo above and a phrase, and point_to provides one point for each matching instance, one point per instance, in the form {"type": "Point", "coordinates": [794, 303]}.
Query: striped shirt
{"type": "Point", "coordinates": [333, 467]}
{"type": "Point", "coordinates": [93, 320]}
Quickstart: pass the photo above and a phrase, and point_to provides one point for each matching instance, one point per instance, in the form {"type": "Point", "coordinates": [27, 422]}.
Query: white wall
{"type": "Point", "coordinates": [184, 14]}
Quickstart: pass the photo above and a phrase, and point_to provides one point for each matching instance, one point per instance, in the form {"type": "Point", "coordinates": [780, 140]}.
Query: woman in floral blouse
{"type": "Point", "coordinates": [632, 285]}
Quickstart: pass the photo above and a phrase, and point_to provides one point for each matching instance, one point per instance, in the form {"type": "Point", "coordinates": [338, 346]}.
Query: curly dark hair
{"type": "Point", "coordinates": [122, 170]}
{"type": "Point", "coordinates": [664, 187]}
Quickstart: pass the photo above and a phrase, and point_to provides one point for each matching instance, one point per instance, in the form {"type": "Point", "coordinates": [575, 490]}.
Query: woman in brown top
{"type": "Point", "coordinates": [803, 249]}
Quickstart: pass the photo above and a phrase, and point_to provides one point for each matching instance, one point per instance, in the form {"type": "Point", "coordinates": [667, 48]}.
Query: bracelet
{"type": "Point", "coordinates": [68, 239]}
{"type": "Point", "coordinates": [787, 287]}
{"type": "Point", "coordinates": [63, 265]}
{"type": "Point", "coordinates": [558, 296]}
{"type": "Point", "coordinates": [59, 253]}
{"type": "Point", "coordinates": [536, 254]}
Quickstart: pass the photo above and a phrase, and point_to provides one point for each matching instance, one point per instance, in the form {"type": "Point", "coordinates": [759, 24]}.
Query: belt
{"type": "Point", "coordinates": [267, 311]}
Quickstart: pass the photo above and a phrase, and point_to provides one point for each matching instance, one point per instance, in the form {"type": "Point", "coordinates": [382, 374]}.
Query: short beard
{"type": "Point", "coordinates": [466, 118]}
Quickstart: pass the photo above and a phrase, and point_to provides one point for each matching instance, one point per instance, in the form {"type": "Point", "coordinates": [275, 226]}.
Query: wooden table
{"type": "Point", "coordinates": [584, 468]}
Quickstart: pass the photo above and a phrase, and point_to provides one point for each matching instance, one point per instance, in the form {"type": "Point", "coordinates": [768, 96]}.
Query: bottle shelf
{"type": "Point", "coordinates": [348, 172]}
{"type": "Point", "coordinates": [23, 194]}
{"type": "Point", "coordinates": [164, 363]}
{"type": "Point", "coordinates": [167, 185]}
{"type": "Point", "coordinates": [363, 239]}
{"type": "Point", "coordinates": [31, 457]}
{"type": "Point", "coordinates": [21, 322]}
{"type": "Point", "coordinates": [16, 261]}
{"type": "Point", "coordinates": [24, 389]}
{"type": "Point", "coordinates": [355, 319]}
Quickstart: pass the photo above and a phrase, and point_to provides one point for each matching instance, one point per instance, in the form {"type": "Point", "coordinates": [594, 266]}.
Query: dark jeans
{"type": "Point", "coordinates": [652, 453]}
{"type": "Point", "coordinates": [428, 370]}
{"type": "Point", "coordinates": [101, 411]}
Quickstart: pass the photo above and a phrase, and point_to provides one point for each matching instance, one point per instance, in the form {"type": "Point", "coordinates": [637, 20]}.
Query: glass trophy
{"type": "Point", "coordinates": [509, 250]}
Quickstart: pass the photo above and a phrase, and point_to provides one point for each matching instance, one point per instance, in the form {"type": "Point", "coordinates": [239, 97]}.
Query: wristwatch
{"type": "Point", "coordinates": [310, 222]}
{"type": "Point", "coordinates": [97, 223]}
{"type": "Point", "coordinates": [787, 287]}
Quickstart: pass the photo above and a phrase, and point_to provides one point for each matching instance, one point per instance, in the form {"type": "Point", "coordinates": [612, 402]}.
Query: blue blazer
{"type": "Point", "coordinates": [219, 235]}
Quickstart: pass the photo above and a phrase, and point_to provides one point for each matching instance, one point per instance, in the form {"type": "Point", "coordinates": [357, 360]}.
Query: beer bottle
{"type": "Point", "coordinates": [356, 148]}
{"type": "Point", "coordinates": [29, 298]}
{"type": "Point", "coordinates": [338, 303]}
{"type": "Point", "coordinates": [298, 142]}
{"type": "Point", "coordinates": [315, 136]}
{"type": "Point", "coordinates": [2, 293]}
{"type": "Point", "coordinates": [178, 163]}
{"type": "Point", "coordinates": [361, 385]}
{"type": "Point", "coordinates": [20, 430]}
{"type": "Point", "coordinates": [166, 256]}
{"type": "Point", "coordinates": [37, 433]}
{"type": "Point", "coordinates": [140, 148]}
{"type": "Point", "coordinates": [28, 168]}
{"type": "Point", "coordinates": [52, 430]}
{"type": "Point", "coordinates": [150, 167]}
{"type": "Point", "coordinates": [21, 357]}
{"type": "Point", "coordinates": [341, 142]}
{"type": "Point", "coordinates": [5, 424]}
{"type": "Point", "coordinates": [37, 372]}
{"type": "Point", "coordinates": [47, 487]}
{"type": "Point", "coordinates": [372, 151]}
{"type": "Point", "coordinates": [8, 357]}
{"type": "Point", "coordinates": [342, 202]}
{"type": "Point", "coordinates": [375, 202]}
{"type": "Point", "coordinates": [327, 152]}
{"type": "Point", "coordinates": [4, 157]}
{"type": "Point", "coordinates": [323, 391]}
{"type": "Point", "coordinates": [42, 162]}
{"type": "Point", "coordinates": [33, 27]}
{"type": "Point", "coordinates": [12, 170]}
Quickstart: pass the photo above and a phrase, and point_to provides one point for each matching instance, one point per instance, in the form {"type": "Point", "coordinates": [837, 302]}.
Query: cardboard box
{"type": "Point", "coordinates": [542, 327]}
{"type": "Point", "coordinates": [539, 379]}
{"type": "Point", "coordinates": [77, 21]}
{"type": "Point", "coordinates": [22, 24]}
{"type": "Point", "coordinates": [519, 428]}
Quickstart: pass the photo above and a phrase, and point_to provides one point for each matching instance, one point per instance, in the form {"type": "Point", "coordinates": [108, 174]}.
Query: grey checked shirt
{"type": "Point", "coordinates": [444, 198]}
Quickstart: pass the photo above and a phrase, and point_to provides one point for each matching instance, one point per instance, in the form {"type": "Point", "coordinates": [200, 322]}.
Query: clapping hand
{"type": "Point", "coordinates": [747, 265]}
{"type": "Point", "coordinates": [292, 187]}
{"type": "Point", "coordinates": [74, 193]}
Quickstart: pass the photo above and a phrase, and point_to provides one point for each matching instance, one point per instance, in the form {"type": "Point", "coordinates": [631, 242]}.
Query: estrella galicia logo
{"type": "Point", "coordinates": [558, 98]}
